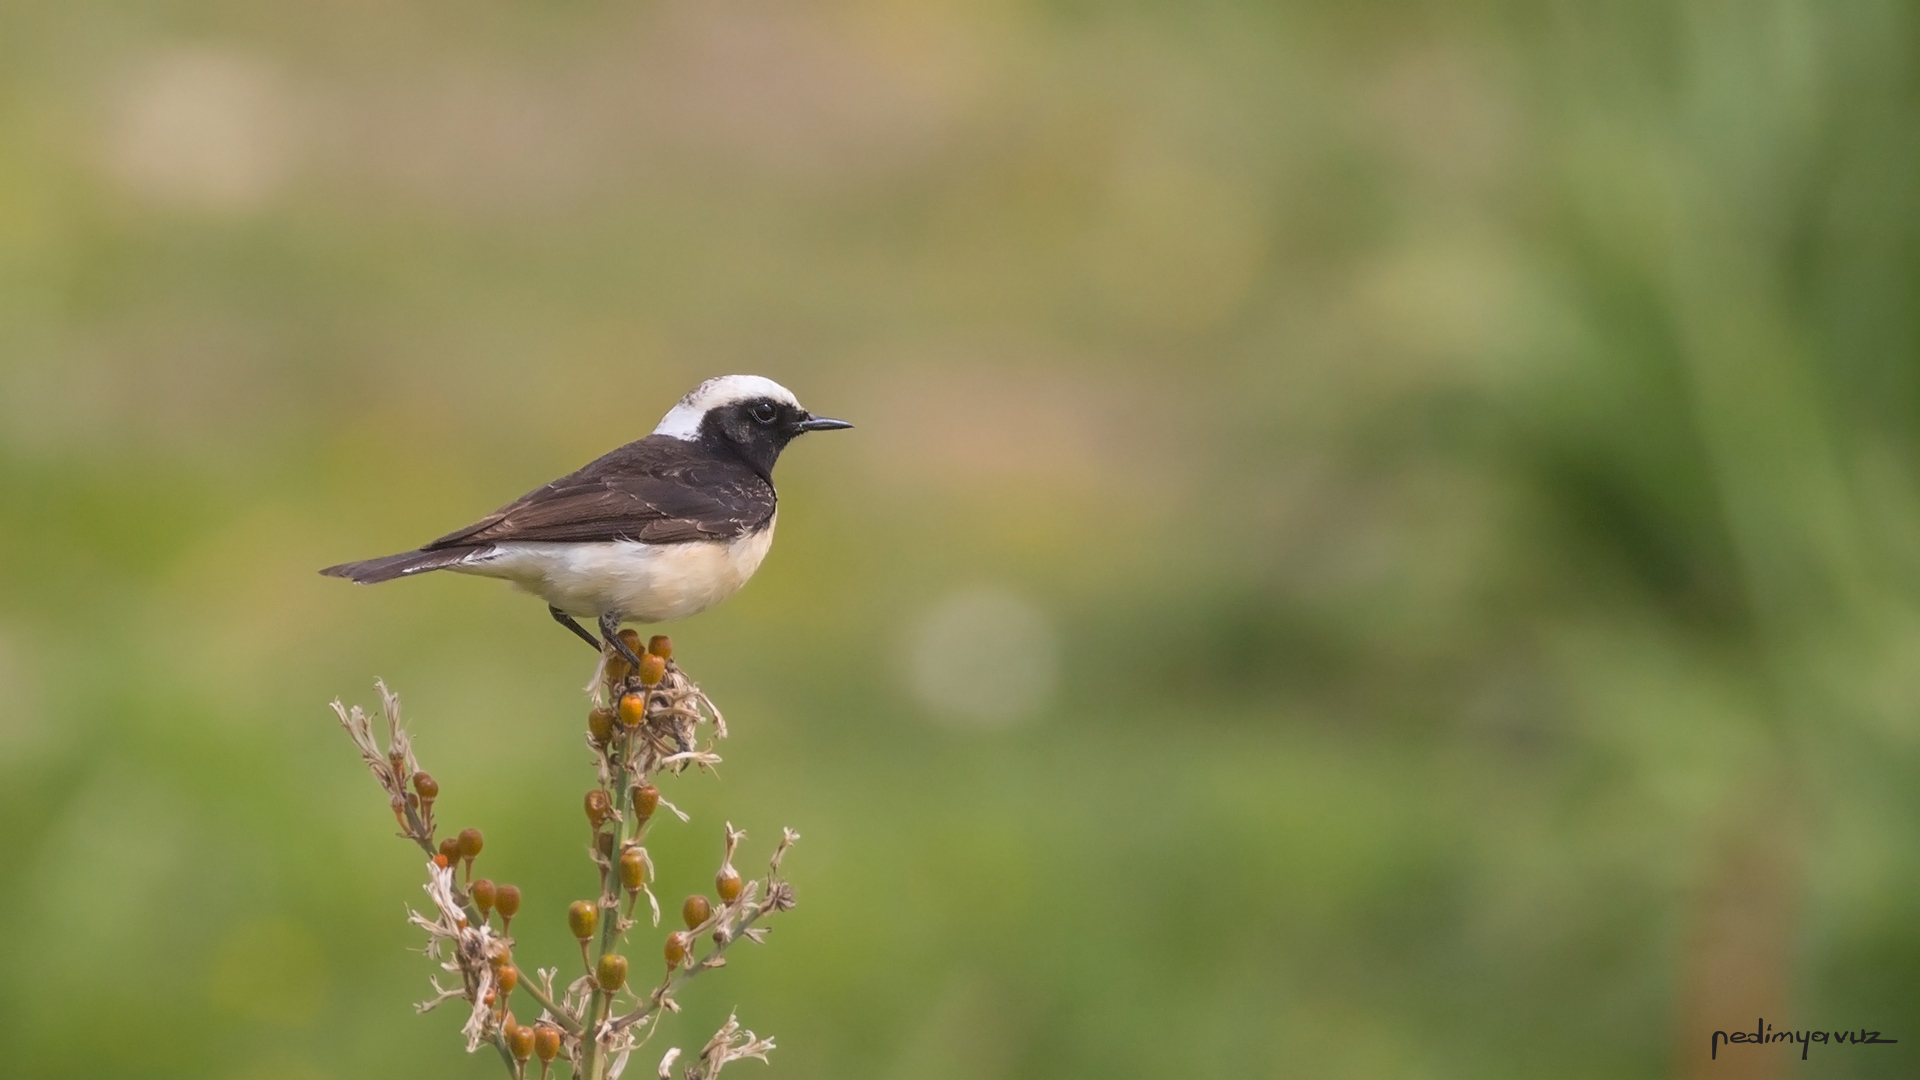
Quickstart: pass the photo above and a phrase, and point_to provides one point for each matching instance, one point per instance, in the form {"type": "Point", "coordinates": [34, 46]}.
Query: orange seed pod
{"type": "Point", "coordinates": [581, 917]}
{"type": "Point", "coordinates": [546, 1042]}
{"type": "Point", "coordinates": [727, 883]}
{"type": "Point", "coordinates": [470, 843]}
{"type": "Point", "coordinates": [519, 1042]}
{"type": "Point", "coordinates": [507, 900]}
{"type": "Point", "coordinates": [633, 869]}
{"type": "Point", "coordinates": [646, 798]}
{"type": "Point", "coordinates": [427, 786]}
{"type": "Point", "coordinates": [509, 978]}
{"type": "Point", "coordinates": [633, 709]}
{"type": "Point", "coordinates": [696, 910]}
{"type": "Point", "coordinates": [612, 972]}
{"type": "Point", "coordinates": [661, 646]}
{"type": "Point", "coordinates": [652, 670]}
{"type": "Point", "coordinates": [451, 849]}
{"type": "Point", "coordinates": [677, 944]}
{"type": "Point", "coordinates": [600, 725]}
{"type": "Point", "coordinates": [483, 895]}
{"type": "Point", "coordinates": [599, 807]}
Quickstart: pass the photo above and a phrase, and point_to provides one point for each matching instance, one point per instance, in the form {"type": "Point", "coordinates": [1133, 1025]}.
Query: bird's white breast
{"type": "Point", "coordinates": [646, 583]}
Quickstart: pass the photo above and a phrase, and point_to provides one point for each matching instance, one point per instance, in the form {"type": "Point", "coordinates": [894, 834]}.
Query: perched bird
{"type": "Point", "coordinates": [656, 530]}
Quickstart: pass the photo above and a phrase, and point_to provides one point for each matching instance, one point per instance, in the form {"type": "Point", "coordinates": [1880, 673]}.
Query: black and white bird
{"type": "Point", "coordinates": [659, 529]}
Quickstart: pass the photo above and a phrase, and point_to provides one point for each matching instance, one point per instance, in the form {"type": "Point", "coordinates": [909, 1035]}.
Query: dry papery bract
{"type": "Point", "coordinates": [643, 724]}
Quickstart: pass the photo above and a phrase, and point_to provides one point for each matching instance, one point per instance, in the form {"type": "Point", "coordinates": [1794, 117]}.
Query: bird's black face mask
{"type": "Point", "coordinates": [759, 428]}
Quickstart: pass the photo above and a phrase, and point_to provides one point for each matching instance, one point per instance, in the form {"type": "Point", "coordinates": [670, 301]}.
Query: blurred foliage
{"type": "Point", "coordinates": [1467, 454]}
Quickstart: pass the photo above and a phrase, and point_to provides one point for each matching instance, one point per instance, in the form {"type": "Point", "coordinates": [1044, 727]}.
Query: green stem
{"type": "Point", "coordinates": [600, 1002]}
{"type": "Point", "coordinates": [500, 1043]}
{"type": "Point", "coordinates": [566, 1022]}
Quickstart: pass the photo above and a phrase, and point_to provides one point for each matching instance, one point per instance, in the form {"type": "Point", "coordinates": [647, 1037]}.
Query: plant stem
{"type": "Point", "coordinates": [500, 1043]}
{"type": "Point", "coordinates": [567, 1023]}
{"type": "Point", "coordinates": [600, 1002]}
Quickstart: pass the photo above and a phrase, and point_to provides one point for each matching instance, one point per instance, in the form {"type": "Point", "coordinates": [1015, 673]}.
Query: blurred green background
{"type": "Point", "coordinates": [1382, 540]}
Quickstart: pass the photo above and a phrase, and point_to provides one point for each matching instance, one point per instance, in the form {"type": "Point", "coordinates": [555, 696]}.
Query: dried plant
{"type": "Point", "coordinates": [642, 723]}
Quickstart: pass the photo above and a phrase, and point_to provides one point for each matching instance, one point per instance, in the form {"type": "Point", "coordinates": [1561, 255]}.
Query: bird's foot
{"type": "Point", "coordinates": [610, 633]}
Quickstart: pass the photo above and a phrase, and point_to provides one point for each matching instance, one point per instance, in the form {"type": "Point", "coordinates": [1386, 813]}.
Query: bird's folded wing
{"type": "Point", "coordinates": [659, 502]}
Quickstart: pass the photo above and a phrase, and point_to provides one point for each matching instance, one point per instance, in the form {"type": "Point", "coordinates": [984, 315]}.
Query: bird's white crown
{"type": "Point", "coordinates": [683, 420]}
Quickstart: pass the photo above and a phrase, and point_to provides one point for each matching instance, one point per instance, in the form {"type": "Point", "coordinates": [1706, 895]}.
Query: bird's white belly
{"type": "Point", "coordinates": [646, 583]}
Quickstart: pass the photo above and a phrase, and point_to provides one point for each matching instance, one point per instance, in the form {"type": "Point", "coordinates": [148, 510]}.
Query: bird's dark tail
{"type": "Point", "coordinates": [406, 563]}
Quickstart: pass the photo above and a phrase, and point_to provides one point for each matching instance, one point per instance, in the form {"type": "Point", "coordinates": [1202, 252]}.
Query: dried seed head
{"type": "Point", "coordinates": [696, 910]}
{"type": "Point", "coordinates": [633, 709]}
{"type": "Point", "coordinates": [450, 848]}
{"type": "Point", "coordinates": [646, 799]}
{"type": "Point", "coordinates": [661, 646]}
{"type": "Point", "coordinates": [633, 869]}
{"type": "Point", "coordinates": [483, 895]}
{"type": "Point", "coordinates": [727, 883]}
{"type": "Point", "coordinates": [652, 670]}
{"type": "Point", "coordinates": [603, 843]}
{"type": "Point", "coordinates": [678, 943]}
{"type": "Point", "coordinates": [612, 972]}
{"type": "Point", "coordinates": [427, 786]}
{"type": "Point", "coordinates": [509, 978]}
{"type": "Point", "coordinates": [470, 843]}
{"type": "Point", "coordinates": [599, 807]}
{"type": "Point", "coordinates": [581, 917]}
{"type": "Point", "coordinates": [600, 724]}
{"type": "Point", "coordinates": [546, 1042]}
{"type": "Point", "coordinates": [519, 1041]}
{"type": "Point", "coordinates": [507, 900]}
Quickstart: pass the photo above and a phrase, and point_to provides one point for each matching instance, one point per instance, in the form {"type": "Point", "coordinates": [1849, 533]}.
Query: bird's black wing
{"type": "Point", "coordinates": [658, 490]}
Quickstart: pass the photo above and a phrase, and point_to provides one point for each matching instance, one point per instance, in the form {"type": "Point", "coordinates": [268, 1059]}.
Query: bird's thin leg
{"type": "Point", "coordinates": [566, 620]}
{"type": "Point", "coordinates": [610, 630]}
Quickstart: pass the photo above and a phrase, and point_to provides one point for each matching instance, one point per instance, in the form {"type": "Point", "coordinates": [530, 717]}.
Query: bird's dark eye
{"type": "Point", "coordinates": [764, 413]}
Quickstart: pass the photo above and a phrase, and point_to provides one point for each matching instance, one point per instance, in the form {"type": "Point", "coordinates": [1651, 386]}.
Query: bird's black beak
{"type": "Point", "coordinates": [821, 423]}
